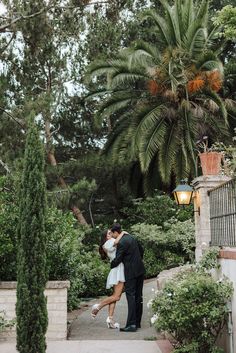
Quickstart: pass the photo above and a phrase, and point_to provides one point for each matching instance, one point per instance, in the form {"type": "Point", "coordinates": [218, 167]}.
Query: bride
{"type": "Point", "coordinates": [115, 279]}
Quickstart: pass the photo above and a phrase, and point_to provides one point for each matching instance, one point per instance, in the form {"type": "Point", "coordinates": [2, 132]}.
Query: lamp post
{"type": "Point", "coordinates": [183, 193]}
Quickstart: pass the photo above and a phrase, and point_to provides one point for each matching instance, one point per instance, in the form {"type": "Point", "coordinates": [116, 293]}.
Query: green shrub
{"type": "Point", "coordinates": [71, 251]}
{"type": "Point", "coordinates": [165, 248]}
{"type": "Point", "coordinates": [8, 221]}
{"type": "Point", "coordinates": [193, 308]}
{"type": "Point", "coordinates": [93, 272]}
{"type": "Point", "coordinates": [4, 323]}
{"type": "Point", "coordinates": [70, 259]}
{"type": "Point", "coordinates": [155, 210]}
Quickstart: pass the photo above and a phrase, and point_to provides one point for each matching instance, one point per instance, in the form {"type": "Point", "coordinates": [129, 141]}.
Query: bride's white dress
{"type": "Point", "coordinates": [117, 273]}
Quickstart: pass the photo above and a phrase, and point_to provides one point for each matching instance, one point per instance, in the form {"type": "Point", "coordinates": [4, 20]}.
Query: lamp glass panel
{"type": "Point", "coordinates": [183, 197]}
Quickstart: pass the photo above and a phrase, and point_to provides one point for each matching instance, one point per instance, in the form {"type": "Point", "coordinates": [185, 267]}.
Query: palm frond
{"type": "Point", "coordinates": [208, 61]}
{"type": "Point", "coordinates": [198, 42]}
{"type": "Point", "coordinates": [168, 151]}
{"type": "Point", "coordinates": [161, 25]}
{"type": "Point", "coordinates": [113, 105]}
{"type": "Point", "coordinates": [97, 93]}
{"type": "Point", "coordinates": [118, 142]}
{"type": "Point", "coordinates": [172, 20]}
{"type": "Point", "coordinates": [217, 99]}
{"type": "Point", "coordinates": [129, 78]}
{"type": "Point", "coordinates": [99, 68]}
{"type": "Point", "coordinates": [150, 135]}
{"type": "Point", "coordinates": [195, 37]}
{"type": "Point", "coordinates": [203, 11]}
{"type": "Point", "coordinates": [143, 54]}
{"type": "Point", "coordinates": [186, 15]}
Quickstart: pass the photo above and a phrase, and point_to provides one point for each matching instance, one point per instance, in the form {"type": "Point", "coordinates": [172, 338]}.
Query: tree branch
{"type": "Point", "coordinates": [7, 45]}
{"type": "Point", "coordinates": [23, 17]}
{"type": "Point", "coordinates": [19, 122]}
{"type": "Point", "coordinates": [4, 165]}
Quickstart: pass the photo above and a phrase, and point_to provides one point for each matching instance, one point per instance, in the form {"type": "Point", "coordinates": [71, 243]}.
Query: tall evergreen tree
{"type": "Point", "coordinates": [31, 307]}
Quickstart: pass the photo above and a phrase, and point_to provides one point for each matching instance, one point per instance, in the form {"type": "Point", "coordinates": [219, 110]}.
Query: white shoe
{"type": "Point", "coordinates": [111, 324]}
{"type": "Point", "coordinates": [95, 310]}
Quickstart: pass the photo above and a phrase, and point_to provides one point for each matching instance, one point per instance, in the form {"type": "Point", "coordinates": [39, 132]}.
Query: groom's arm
{"type": "Point", "coordinates": [141, 250]}
{"type": "Point", "coordinates": [119, 255]}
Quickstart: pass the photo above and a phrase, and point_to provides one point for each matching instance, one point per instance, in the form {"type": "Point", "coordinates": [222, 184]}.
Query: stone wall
{"type": "Point", "coordinates": [227, 261]}
{"type": "Point", "coordinates": [201, 186]}
{"type": "Point", "coordinates": [56, 293]}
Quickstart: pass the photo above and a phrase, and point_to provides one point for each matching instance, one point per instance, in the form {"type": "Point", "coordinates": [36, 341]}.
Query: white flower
{"type": "Point", "coordinates": [169, 294]}
{"type": "Point", "coordinates": [154, 319]}
{"type": "Point", "coordinates": [153, 290]}
{"type": "Point", "coordinates": [149, 303]}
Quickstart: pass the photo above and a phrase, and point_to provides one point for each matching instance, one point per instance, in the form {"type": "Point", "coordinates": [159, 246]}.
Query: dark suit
{"type": "Point", "coordinates": [130, 253]}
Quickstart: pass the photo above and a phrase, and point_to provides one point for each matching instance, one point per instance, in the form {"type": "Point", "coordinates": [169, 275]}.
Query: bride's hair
{"type": "Point", "coordinates": [102, 242]}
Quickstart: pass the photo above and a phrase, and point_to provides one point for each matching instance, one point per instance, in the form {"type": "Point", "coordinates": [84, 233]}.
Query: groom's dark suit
{"type": "Point", "coordinates": [130, 253]}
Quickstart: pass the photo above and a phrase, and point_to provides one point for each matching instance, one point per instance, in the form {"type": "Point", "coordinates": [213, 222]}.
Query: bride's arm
{"type": "Point", "coordinates": [119, 237]}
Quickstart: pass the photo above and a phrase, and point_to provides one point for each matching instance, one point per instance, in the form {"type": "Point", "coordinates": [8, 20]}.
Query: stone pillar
{"type": "Point", "coordinates": [202, 185]}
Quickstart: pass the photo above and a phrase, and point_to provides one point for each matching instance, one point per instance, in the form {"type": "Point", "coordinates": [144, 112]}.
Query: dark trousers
{"type": "Point", "coordinates": [134, 295]}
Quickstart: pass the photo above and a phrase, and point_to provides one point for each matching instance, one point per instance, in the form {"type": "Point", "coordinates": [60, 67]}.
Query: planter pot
{"type": "Point", "coordinates": [210, 163]}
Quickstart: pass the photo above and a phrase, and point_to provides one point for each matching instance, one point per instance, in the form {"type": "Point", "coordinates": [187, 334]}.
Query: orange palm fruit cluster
{"type": "Point", "coordinates": [210, 79]}
{"type": "Point", "coordinates": [153, 87]}
{"type": "Point", "coordinates": [214, 80]}
{"type": "Point", "coordinates": [196, 84]}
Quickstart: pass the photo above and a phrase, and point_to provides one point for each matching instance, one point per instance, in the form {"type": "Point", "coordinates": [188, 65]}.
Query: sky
{"type": "Point", "coordinates": [2, 8]}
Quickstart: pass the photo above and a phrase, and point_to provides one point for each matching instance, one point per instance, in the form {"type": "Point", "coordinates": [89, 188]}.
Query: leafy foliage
{"type": "Point", "coordinates": [226, 18]}
{"type": "Point", "coordinates": [159, 209]}
{"type": "Point", "coordinates": [71, 249]}
{"type": "Point", "coordinates": [193, 308]}
{"type": "Point", "coordinates": [165, 248]}
{"type": "Point", "coordinates": [9, 216]}
{"type": "Point", "coordinates": [4, 323]}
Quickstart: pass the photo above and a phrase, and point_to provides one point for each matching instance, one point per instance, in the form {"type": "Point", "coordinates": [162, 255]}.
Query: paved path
{"type": "Point", "coordinates": [86, 328]}
{"type": "Point", "coordinates": [93, 336]}
{"type": "Point", "coordinates": [93, 347]}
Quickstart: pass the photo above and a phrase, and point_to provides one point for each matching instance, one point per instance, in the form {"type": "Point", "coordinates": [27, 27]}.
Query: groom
{"type": "Point", "coordinates": [130, 253]}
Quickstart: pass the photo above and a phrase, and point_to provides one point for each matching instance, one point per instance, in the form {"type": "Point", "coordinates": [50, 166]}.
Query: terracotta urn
{"type": "Point", "coordinates": [211, 162]}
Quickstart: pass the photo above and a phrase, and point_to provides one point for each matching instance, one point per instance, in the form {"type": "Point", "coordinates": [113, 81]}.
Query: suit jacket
{"type": "Point", "coordinates": [130, 253]}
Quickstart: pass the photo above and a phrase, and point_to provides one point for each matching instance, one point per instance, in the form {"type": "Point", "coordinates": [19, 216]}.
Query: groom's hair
{"type": "Point", "coordinates": [116, 228]}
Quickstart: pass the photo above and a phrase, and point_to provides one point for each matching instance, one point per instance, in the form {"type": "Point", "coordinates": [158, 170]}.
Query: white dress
{"type": "Point", "coordinates": [116, 274]}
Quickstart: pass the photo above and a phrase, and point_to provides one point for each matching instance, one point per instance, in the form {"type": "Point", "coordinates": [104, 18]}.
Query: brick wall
{"type": "Point", "coordinates": [56, 293]}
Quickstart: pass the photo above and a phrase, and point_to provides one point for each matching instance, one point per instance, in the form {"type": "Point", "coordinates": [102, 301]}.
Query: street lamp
{"type": "Point", "coordinates": [183, 193]}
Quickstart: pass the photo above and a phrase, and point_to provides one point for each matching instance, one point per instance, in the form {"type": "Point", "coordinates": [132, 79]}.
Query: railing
{"type": "Point", "coordinates": [223, 214]}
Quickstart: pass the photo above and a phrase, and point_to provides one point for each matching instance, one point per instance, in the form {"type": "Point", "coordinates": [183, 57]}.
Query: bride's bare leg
{"type": "Point", "coordinates": [111, 309]}
{"type": "Point", "coordinates": [117, 291]}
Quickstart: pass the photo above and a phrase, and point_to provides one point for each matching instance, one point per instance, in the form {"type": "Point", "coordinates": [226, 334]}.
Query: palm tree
{"type": "Point", "coordinates": [162, 95]}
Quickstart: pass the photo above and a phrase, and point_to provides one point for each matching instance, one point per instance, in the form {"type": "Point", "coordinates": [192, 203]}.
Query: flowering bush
{"type": "Point", "coordinates": [192, 307]}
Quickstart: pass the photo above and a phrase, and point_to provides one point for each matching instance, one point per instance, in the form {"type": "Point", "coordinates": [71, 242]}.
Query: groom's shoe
{"type": "Point", "coordinates": [130, 328]}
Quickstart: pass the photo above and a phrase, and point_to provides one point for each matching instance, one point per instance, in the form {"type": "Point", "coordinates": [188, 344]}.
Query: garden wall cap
{"type": "Point", "coordinates": [49, 285]}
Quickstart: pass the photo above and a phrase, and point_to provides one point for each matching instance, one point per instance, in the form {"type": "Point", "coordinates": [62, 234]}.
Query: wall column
{"type": "Point", "coordinates": [202, 185]}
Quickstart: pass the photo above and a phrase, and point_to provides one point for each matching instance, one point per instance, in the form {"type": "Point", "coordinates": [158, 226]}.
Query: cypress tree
{"type": "Point", "coordinates": [31, 309]}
